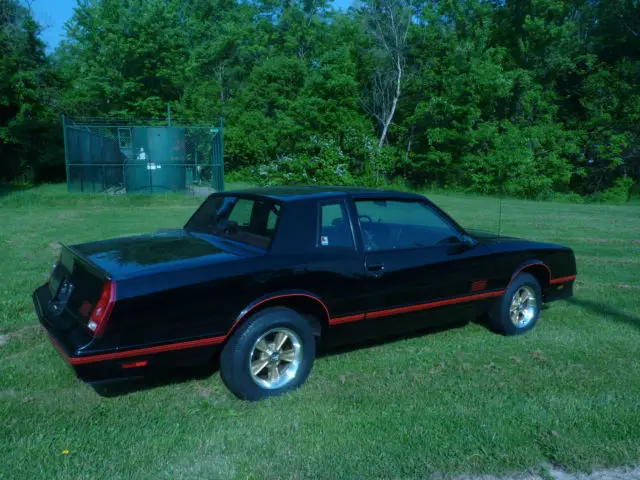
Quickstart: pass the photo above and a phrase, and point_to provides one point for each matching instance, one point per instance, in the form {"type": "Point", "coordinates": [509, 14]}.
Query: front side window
{"type": "Point", "coordinates": [245, 220]}
{"type": "Point", "coordinates": [335, 230]}
{"type": "Point", "coordinates": [397, 224]}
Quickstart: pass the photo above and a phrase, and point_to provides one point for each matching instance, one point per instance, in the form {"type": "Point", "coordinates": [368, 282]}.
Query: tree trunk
{"type": "Point", "coordinates": [219, 72]}
{"type": "Point", "coordinates": [394, 104]}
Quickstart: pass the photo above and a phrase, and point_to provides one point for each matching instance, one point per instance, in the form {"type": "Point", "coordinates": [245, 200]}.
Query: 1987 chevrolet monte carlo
{"type": "Point", "coordinates": [260, 276]}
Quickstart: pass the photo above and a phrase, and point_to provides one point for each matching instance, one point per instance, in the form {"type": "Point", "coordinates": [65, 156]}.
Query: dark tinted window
{"type": "Point", "coordinates": [393, 224]}
{"type": "Point", "coordinates": [335, 230]}
{"type": "Point", "coordinates": [245, 220]}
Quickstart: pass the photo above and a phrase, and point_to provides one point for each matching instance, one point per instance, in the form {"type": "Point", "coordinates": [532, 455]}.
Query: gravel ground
{"type": "Point", "coordinates": [199, 190]}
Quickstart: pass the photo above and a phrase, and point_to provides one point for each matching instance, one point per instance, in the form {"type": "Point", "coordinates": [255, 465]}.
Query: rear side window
{"type": "Point", "coordinates": [253, 221]}
{"type": "Point", "coordinates": [241, 212]}
{"type": "Point", "coordinates": [335, 230]}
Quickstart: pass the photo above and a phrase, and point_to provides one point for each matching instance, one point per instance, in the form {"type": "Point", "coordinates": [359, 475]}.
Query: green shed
{"type": "Point", "coordinates": [158, 160]}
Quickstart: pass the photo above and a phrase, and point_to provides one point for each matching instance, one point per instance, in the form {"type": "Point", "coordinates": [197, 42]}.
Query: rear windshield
{"type": "Point", "coordinates": [246, 220]}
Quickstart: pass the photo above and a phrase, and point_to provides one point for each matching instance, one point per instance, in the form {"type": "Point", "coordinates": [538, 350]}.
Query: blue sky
{"type": "Point", "coordinates": [53, 14]}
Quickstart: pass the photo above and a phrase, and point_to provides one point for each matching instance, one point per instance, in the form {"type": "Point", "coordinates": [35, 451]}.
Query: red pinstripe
{"type": "Point", "coordinates": [136, 352]}
{"type": "Point", "coordinates": [570, 278]}
{"type": "Point", "coordinates": [82, 360]}
{"type": "Point", "coordinates": [436, 304]}
{"type": "Point", "coordinates": [347, 319]}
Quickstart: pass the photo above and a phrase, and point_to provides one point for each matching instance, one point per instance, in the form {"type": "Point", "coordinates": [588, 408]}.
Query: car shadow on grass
{"type": "Point", "coordinates": [173, 376]}
{"type": "Point", "coordinates": [122, 387]}
{"type": "Point", "coordinates": [606, 311]}
{"type": "Point", "coordinates": [385, 339]}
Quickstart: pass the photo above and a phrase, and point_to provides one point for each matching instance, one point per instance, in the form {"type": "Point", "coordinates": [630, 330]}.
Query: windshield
{"type": "Point", "coordinates": [246, 220]}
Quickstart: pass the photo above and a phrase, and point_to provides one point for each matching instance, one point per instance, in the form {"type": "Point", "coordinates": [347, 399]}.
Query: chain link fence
{"type": "Point", "coordinates": [130, 157]}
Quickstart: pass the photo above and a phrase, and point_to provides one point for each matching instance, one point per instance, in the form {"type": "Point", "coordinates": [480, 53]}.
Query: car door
{"type": "Point", "coordinates": [416, 261]}
{"type": "Point", "coordinates": [333, 268]}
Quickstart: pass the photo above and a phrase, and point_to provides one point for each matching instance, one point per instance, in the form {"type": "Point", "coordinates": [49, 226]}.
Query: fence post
{"type": "Point", "coordinates": [196, 173]}
{"type": "Point", "coordinates": [66, 152]}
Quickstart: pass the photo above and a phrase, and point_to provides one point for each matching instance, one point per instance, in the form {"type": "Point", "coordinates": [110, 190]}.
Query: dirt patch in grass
{"type": "Point", "coordinates": [603, 240]}
{"type": "Point", "coordinates": [23, 332]}
{"type": "Point", "coordinates": [622, 473]}
{"type": "Point", "coordinates": [575, 218]}
{"type": "Point", "coordinates": [624, 261]}
{"type": "Point", "coordinates": [621, 286]}
{"type": "Point", "coordinates": [204, 391]}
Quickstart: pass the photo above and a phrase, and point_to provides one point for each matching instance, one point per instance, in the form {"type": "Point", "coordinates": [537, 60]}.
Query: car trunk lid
{"type": "Point", "coordinates": [164, 250]}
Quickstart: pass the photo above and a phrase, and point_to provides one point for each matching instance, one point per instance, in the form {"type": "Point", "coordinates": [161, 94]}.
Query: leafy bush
{"type": "Point", "coordinates": [326, 162]}
{"type": "Point", "coordinates": [328, 167]}
{"type": "Point", "coordinates": [619, 193]}
{"type": "Point", "coordinates": [518, 163]}
{"type": "Point", "coordinates": [570, 197]}
{"type": "Point", "coordinates": [242, 174]}
{"type": "Point", "coordinates": [299, 170]}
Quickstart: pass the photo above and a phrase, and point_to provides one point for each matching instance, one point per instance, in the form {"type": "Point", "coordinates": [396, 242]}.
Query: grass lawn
{"type": "Point", "coordinates": [460, 401]}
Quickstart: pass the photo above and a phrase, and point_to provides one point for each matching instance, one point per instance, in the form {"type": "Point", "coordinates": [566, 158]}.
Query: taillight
{"type": "Point", "coordinates": [101, 313]}
{"type": "Point", "coordinates": [55, 265]}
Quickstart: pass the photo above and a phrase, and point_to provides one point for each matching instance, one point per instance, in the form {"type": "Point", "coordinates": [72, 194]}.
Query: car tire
{"type": "Point", "coordinates": [254, 367]}
{"type": "Point", "coordinates": [518, 309]}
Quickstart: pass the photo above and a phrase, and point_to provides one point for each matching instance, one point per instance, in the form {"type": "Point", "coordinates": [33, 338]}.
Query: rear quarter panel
{"type": "Point", "coordinates": [207, 300]}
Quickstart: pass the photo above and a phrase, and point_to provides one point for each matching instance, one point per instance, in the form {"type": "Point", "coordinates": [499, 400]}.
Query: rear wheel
{"type": "Point", "coordinates": [271, 353]}
{"type": "Point", "coordinates": [518, 310]}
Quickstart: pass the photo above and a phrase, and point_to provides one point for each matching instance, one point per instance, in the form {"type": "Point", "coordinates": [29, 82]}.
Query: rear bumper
{"type": "Point", "coordinates": [66, 337]}
{"type": "Point", "coordinates": [92, 365]}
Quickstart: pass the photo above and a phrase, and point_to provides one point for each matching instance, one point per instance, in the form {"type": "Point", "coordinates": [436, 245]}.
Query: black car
{"type": "Point", "coordinates": [260, 276]}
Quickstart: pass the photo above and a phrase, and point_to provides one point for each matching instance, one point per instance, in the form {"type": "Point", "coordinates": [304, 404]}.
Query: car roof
{"type": "Point", "coordinates": [293, 193]}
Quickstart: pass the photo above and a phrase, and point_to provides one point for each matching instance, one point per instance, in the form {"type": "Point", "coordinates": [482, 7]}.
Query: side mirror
{"type": "Point", "coordinates": [468, 241]}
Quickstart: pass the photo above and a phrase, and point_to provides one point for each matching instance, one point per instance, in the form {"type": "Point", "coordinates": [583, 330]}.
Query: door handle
{"type": "Point", "coordinates": [376, 268]}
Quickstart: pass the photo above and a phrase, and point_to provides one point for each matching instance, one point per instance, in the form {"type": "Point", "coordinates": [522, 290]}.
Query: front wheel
{"type": "Point", "coordinates": [271, 353]}
{"type": "Point", "coordinates": [519, 308]}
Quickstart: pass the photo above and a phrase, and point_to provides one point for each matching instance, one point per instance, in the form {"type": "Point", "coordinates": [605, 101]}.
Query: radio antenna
{"type": "Point", "coordinates": [500, 215]}
{"type": "Point", "coordinates": [500, 202]}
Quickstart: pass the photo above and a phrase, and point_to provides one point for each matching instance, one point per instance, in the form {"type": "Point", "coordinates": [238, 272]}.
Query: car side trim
{"type": "Point", "coordinates": [435, 304]}
{"type": "Point", "coordinates": [416, 308]}
{"type": "Point", "coordinates": [442, 303]}
{"type": "Point", "coordinates": [558, 280]}
{"type": "Point", "coordinates": [138, 352]}
{"type": "Point", "coordinates": [346, 319]}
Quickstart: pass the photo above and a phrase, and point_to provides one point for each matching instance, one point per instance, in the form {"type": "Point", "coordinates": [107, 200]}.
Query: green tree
{"type": "Point", "coordinates": [124, 57]}
{"type": "Point", "coordinates": [526, 97]}
{"type": "Point", "coordinates": [29, 145]}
